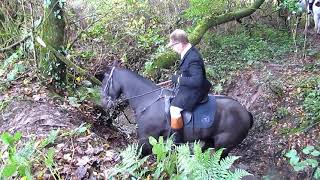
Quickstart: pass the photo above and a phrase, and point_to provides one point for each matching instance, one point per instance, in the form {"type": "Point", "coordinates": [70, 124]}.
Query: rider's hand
{"type": "Point", "coordinates": [174, 79]}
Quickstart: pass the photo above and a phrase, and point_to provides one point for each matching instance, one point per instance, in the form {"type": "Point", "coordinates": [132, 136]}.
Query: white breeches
{"type": "Point", "coordinates": [175, 112]}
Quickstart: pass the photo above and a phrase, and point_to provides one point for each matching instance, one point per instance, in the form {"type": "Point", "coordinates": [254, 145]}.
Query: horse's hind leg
{"type": "Point", "coordinates": [224, 140]}
{"type": "Point", "coordinates": [208, 143]}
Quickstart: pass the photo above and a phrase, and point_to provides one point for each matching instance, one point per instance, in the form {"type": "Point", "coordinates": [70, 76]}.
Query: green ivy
{"type": "Point", "coordinates": [310, 162]}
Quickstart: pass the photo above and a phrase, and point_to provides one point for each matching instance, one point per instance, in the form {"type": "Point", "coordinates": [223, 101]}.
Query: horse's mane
{"type": "Point", "coordinates": [141, 78]}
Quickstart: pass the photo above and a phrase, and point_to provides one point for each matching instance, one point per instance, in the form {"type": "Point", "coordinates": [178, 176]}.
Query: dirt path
{"type": "Point", "coordinates": [267, 89]}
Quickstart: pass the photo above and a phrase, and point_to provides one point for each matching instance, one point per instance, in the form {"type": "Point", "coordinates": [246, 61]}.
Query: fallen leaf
{"type": "Point", "coordinates": [83, 161]}
{"type": "Point", "coordinates": [81, 172]}
{"type": "Point", "coordinates": [67, 157]}
{"type": "Point", "coordinates": [36, 97]}
{"type": "Point", "coordinates": [110, 155]}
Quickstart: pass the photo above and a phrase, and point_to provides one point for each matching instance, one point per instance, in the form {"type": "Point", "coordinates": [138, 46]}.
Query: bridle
{"type": "Point", "coordinates": [109, 85]}
{"type": "Point", "coordinates": [109, 82]}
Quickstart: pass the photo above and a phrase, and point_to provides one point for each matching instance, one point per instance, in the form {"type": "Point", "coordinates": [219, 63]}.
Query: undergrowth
{"type": "Point", "coordinates": [227, 53]}
{"type": "Point", "coordinates": [310, 97]}
{"type": "Point", "coordinates": [306, 161]}
{"type": "Point", "coordinates": [175, 163]}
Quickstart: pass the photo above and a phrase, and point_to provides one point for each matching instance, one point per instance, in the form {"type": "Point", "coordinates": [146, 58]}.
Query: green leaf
{"type": "Point", "coordinates": [12, 75]}
{"type": "Point", "coordinates": [312, 162]}
{"type": "Point", "coordinates": [81, 129]}
{"type": "Point", "coordinates": [315, 153]}
{"type": "Point", "coordinates": [9, 170]}
{"type": "Point", "coordinates": [49, 159]}
{"type": "Point", "coordinates": [294, 160]}
{"type": "Point", "coordinates": [308, 149]}
{"type": "Point", "coordinates": [17, 136]}
{"type": "Point", "coordinates": [73, 101]}
{"type": "Point", "coordinates": [51, 138]}
{"type": "Point", "coordinates": [152, 141]}
{"type": "Point", "coordinates": [291, 153]}
{"type": "Point", "coordinates": [300, 166]}
{"type": "Point", "coordinates": [317, 173]}
{"type": "Point", "coordinates": [161, 140]}
{"type": "Point", "coordinates": [7, 138]}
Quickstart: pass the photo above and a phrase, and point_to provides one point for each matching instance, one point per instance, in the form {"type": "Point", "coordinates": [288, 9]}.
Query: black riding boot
{"type": "Point", "coordinates": [177, 136]}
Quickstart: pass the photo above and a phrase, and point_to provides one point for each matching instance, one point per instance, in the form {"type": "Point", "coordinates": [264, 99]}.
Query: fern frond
{"type": "Point", "coordinates": [238, 174]}
{"type": "Point", "coordinates": [227, 162]}
{"type": "Point", "coordinates": [185, 161]}
{"type": "Point", "coordinates": [131, 164]}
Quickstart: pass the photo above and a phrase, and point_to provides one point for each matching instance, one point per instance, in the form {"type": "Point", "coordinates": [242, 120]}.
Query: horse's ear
{"type": "Point", "coordinates": [117, 63]}
{"type": "Point", "coordinates": [108, 69]}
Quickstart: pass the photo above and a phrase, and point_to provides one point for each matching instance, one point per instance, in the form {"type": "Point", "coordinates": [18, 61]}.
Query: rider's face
{"type": "Point", "coordinates": [176, 47]}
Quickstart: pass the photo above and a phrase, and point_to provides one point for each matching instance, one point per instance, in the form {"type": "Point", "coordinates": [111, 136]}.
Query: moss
{"type": "Point", "coordinates": [163, 61]}
{"type": "Point", "coordinates": [53, 35]}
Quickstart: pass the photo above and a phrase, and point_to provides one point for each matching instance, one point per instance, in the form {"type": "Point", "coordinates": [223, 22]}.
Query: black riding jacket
{"type": "Point", "coordinates": [193, 85]}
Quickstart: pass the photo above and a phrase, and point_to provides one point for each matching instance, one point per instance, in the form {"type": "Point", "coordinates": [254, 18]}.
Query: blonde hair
{"type": "Point", "coordinates": [179, 36]}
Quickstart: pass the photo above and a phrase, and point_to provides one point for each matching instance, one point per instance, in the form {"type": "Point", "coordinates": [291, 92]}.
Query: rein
{"type": "Point", "coordinates": [140, 95]}
{"type": "Point", "coordinates": [109, 84]}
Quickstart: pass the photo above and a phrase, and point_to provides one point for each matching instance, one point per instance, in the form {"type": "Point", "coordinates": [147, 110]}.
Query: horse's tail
{"type": "Point", "coordinates": [251, 119]}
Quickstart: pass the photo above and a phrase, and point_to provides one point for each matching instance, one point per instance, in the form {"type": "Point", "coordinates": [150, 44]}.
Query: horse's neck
{"type": "Point", "coordinates": [137, 89]}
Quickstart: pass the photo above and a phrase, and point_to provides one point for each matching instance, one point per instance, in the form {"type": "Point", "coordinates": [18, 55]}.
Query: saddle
{"type": "Point", "coordinates": [201, 117]}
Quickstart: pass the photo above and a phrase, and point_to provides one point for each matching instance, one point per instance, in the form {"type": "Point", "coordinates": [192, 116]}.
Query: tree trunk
{"type": "Point", "coordinates": [52, 70]}
{"type": "Point", "coordinates": [168, 58]}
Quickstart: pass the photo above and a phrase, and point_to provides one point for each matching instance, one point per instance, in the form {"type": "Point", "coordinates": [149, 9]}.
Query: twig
{"type": "Point", "coordinates": [304, 54]}
{"type": "Point", "coordinates": [15, 44]}
{"type": "Point", "coordinates": [254, 97]}
{"type": "Point", "coordinates": [32, 37]}
{"type": "Point", "coordinates": [85, 17]}
{"type": "Point", "coordinates": [165, 83]}
{"type": "Point", "coordinates": [78, 36]}
{"type": "Point", "coordinates": [127, 118]}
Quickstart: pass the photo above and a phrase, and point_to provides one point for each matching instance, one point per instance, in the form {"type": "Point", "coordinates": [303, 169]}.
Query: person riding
{"type": "Point", "coordinates": [310, 2]}
{"type": "Point", "coordinates": [191, 81]}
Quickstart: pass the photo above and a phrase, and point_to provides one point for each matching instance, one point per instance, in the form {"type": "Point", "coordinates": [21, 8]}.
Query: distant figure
{"type": "Point", "coordinates": [191, 82]}
{"type": "Point", "coordinates": [310, 10]}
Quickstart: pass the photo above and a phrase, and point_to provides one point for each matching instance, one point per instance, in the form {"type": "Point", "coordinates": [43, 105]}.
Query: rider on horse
{"type": "Point", "coordinates": [191, 82]}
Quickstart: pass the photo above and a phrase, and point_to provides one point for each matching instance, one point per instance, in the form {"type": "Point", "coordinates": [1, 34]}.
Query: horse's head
{"type": "Point", "coordinates": [111, 89]}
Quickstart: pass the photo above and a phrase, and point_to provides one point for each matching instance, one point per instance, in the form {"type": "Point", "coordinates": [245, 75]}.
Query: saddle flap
{"type": "Point", "coordinates": [201, 117]}
{"type": "Point", "coordinates": [186, 116]}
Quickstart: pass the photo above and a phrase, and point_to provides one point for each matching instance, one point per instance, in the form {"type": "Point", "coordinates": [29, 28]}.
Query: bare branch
{"type": "Point", "coordinates": [15, 44]}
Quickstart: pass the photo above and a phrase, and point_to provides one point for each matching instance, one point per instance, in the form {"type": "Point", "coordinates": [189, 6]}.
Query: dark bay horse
{"type": "Point", "coordinates": [231, 125]}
